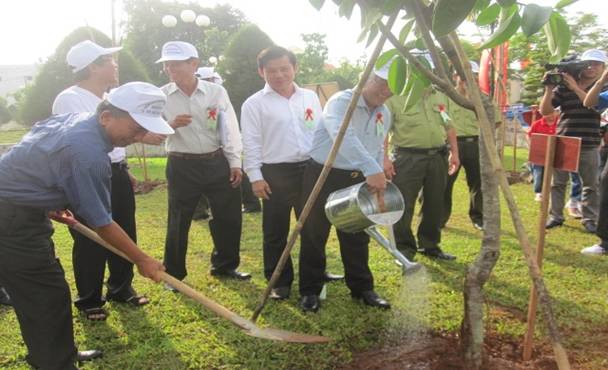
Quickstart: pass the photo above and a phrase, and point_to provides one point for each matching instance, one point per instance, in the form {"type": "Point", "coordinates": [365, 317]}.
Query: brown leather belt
{"type": "Point", "coordinates": [195, 155]}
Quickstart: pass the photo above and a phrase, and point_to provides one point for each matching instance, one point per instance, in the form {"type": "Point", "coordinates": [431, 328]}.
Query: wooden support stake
{"type": "Point", "coordinates": [540, 244]}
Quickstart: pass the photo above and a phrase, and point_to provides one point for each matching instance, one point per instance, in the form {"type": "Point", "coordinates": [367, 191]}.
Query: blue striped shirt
{"type": "Point", "coordinates": [363, 145]}
{"type": "Point", "coordinates": [63, 161]}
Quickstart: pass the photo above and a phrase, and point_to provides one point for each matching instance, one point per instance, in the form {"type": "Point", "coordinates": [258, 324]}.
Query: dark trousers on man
{"type": "Point", "coordinates": [89, 258]}
{"type": "Point", "coordinates": [285, 181]}
{"type": "Point", "coordinates": [354, 247]}
{"type": "Point", "coordinates": [35, 280]}
{"type": "Point", "coordinates": [426, 170]}
{"type": "Point", "coordinates": [189, 176]}
{"type": "Point", "coordinates": [468, 150]}
{"type": "Point", "coordinates": [602, 219]}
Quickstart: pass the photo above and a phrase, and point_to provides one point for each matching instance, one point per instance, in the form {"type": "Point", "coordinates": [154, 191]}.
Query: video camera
{"type": "Point", "coordinates": [570, 65]}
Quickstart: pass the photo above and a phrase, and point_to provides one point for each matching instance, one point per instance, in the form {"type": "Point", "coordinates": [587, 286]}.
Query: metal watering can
{"type": "Point", "coordinates": [355, 209]}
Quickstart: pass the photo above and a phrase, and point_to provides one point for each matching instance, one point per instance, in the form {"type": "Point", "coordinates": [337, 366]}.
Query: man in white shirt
{"type": "Point", "coordinates": [278, 124]}
{"type": "Point", "coordinates": [202, 160]}
{"type": "Point", "coordinates": [95, 72]}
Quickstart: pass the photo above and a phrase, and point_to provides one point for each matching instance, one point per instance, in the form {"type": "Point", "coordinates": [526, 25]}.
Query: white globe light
{"type": "Point", "coordinates": [202, 21]}
{"type": "Point", "coordinates": [169, 21]}
{"type": "Point", "coordinates": [212, 60]}
{"type": "Point", "coordinates": [187, 15]}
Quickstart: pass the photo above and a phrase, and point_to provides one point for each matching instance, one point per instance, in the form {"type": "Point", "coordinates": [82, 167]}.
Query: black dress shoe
{"type": "Point", "coordinates": [328, 277]}
{"type": "Point", "coordinates": [252, 209]}
{"type": "Point", "coordinates": [553, 223]}
{"type": "Point", "coordinates": [231, 274]}
{"type": "Point", "coordinates": [372, 299]}
{"type": "Point", "coordinates": [89, 355]}
{"type": "Point", "coordinates": [590, 227]}
{"type": "Point", "coordinates": [5, 299]}
{"type": "Point", "coordinates": [310, 303]}
{"type": "Point", "coordinates": [280, 293]}
{"type": "Point", "coordinates": [437, 253]}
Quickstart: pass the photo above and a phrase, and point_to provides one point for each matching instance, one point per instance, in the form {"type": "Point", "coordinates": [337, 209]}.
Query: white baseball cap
{"type": "Point", "coordinates": [474, 67]}
{"type": "Point", "coordinates": [205, 72]}
{"type": "Point", "coordinates": [382, 72]}
{"type": "Point", "coordinates": [177, 50]}
{"type": "Point", "coordinates": [85, 53]}
{"type": "Point", "coordinates": [594, 54]}
{"type": "Point", "coordinates": [145, 104]}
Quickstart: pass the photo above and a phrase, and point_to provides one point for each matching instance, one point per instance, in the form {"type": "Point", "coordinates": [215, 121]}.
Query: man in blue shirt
{"type": "Point", "coordinates": [63, 162]}
{"type": "Point", "coordinates": [360, 158]}
{"type": "Point", "coordinates": [598, 99]}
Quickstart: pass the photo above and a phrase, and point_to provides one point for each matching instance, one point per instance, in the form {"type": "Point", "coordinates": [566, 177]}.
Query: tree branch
{"type": "Point", "coordinates": [422, 25]}
{"type": "Point", "coordinates": [445, 86]}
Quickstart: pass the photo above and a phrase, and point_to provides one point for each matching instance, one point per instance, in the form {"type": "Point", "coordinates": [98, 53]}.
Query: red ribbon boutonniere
{"type": "Point", "coordinates": [308, 116]}
{"type": "Point", "coordinates": [212, 118]}
{"type": "Point", "coordinates": [309, 120]}
{"type": "Point", "coordinates": [379, 124]}
{"type": "Point", "coordinates": [212, 114]}
{"type": "Point", "coordinates": [443, 113]}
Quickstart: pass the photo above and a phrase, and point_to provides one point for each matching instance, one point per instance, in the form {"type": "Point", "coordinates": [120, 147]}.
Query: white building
{"type": "Point", "coordinates": [14, 77]}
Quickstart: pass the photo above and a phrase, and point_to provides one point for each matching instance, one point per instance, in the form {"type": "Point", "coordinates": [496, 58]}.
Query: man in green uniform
{"type": "Point", "coordinates": [465, 123]}
{"type": "Point", "coordinates": [422, 161]}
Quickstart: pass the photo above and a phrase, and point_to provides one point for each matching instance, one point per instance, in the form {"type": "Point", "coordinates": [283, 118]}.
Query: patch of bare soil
{"type": "Point", "coordinates": [440, 351]}
{"type": "Point", "coordinates": [144, 187]}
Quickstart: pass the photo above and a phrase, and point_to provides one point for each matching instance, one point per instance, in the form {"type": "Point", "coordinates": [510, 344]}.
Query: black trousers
{"type": "Point", "coordinates": [468, 150]}
{"type": "Point", "coordinates": [602, 219]}
{"type": "Point", "coordinates": [354, 247]}
{"type": "Point", "coordinates": [89, 258]}
{"type": "Point", "coordinates": [36, 283]}
{"type": "Point", "coordinates": [188, 179]}
{"type": "Point", "coordinates": [417, 170]}
{"type": "Point", "coordinates": [285, 181]}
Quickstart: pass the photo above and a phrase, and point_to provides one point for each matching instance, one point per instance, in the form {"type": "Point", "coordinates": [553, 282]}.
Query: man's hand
{"type": "Point", "coordinates": [133, 180]}
{"type": "Point", "coordinates": [570, 82]}
{"type": "Point", "coordinates": [376, 182]}
{"type": "Point", "coordinates": [153, 139]}
{"type": "Point", "coordinates": [181, 120]}
{"type": "Point", "coordinates": [261, 189]}
{"type": "Point", "coordinates": [454, 163]}
{"type": "Point", "coordinates": [150, 268]}
{"type": "Point", "coordinates": [389, 169]}
{"type": "Point", "coordinates": [236, 175]}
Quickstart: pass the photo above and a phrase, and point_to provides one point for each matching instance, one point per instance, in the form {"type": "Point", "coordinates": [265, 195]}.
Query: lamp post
{"type": "Point", "coordinates": [187, 16]}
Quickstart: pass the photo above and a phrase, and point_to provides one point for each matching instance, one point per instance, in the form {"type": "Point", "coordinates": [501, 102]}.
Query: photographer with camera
{"type": "Point", "coordinates": [568, 93]}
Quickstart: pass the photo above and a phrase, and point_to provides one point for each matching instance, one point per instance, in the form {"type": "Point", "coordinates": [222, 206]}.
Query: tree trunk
{"type": "Point", "coordinates": [472, 329]}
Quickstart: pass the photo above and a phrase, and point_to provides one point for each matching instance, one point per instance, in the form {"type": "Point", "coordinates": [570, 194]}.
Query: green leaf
{"type": "Point", "coordinates": [449, 14]}
{"type": "Point", "coordinates": [564, 3]}
{"type": "Point", "coordinates": [506, 3]}
{"type": "Point", "coordinates": [558, 36]}
{"type": "Point", "coordinates": [362, 35]}
{"type": "Point", "coordinates": [481, 5]}
{"type": "Point", "coordinates": [414, 92]}
{"type": "Point", "coordinates": [385, 57]}
{"type": "Point", "coordinates": [534, 18]}
{"type": "Point", "coordinates": [405, 31]}
{"type": "Point", "coordinates": [419, 44]}
{"type": "Point", "coordinates": [346, 8]}
{"type": "Point", "coordinates": [506, 29]}
{"type": "Point", "coordinates": [370, 16]}
{"type": "Point", "coordinates": [396, 75]}
{"type": "Point", "coordinates": [373, 32]}
{"type": "Point", "coordinates": [318, 4]}
{"type": "Point", "coordinates": [391, 7]}
{"type": "Point", "coordinates": [489, 15]}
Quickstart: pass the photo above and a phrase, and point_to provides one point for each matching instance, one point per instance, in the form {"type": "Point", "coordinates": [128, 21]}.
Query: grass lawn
{"type": "Point", "coordinates": [173, 332]}
{"type": "Point", "coordinates": [12, 136]}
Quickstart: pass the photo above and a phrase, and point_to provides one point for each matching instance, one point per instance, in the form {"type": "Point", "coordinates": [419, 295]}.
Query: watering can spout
{"type": "Point", "coordinates": [407, 266]}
